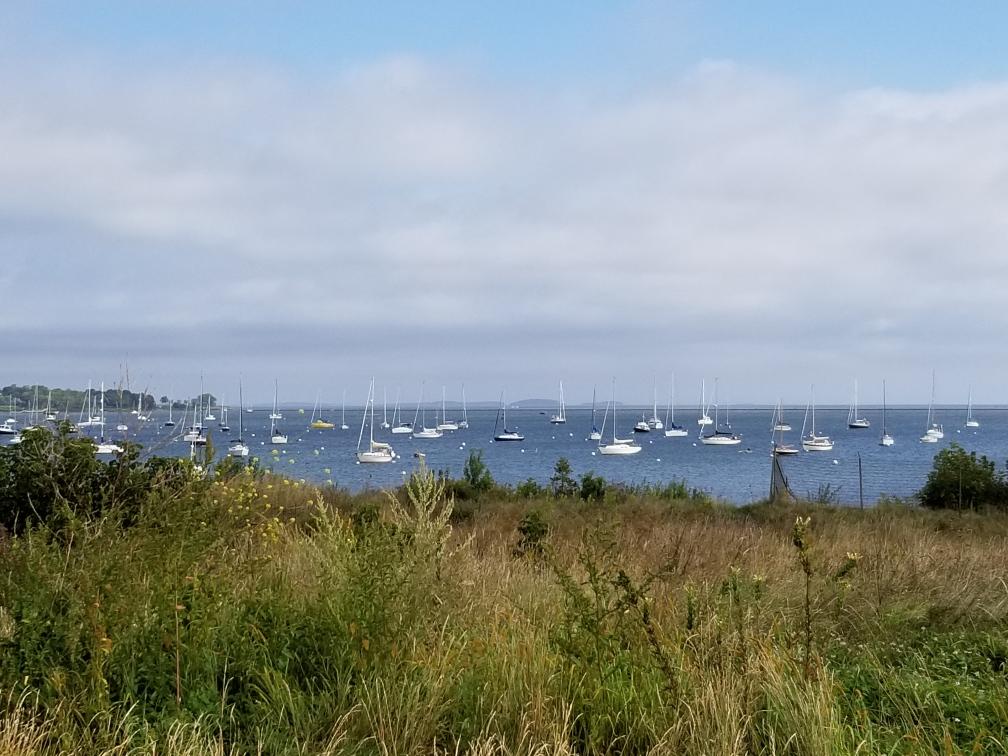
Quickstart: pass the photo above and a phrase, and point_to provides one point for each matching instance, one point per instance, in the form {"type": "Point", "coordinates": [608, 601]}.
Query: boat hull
{"type": "Point", "coordinates": [619, 450]}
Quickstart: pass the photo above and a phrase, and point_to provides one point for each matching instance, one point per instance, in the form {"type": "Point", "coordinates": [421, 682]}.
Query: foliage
{"type": "Point", "coordinates": [251, 613]}
{"type": "Point", "coordinates": [528, 489]}
{"type": "Point", "coordinates": [562, 483]}
{"type": "Point", "coordinates": [533, 535]}
{"type": "Point", "coordinates": [55, 479]}
{"type": "Point", "coordinates": [593, 487]}
{"type": "Point", "coordinates": [75, 400]}
{"type": "Point", "coordinates": [960, 479]}
{"type": "Point", "coordinates": [477, 474]}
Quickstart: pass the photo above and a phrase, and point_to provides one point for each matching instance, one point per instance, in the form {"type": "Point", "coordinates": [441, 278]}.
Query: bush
{"type": "Point", "coordinates": [54, 478]}
{"type": "Point", "coordinates": [962, 479]}
{"type": "Point", "coordinates": [533, 533]}
{"type": "Point", "coordinates": [562, 484]}
{"type": "Point", "coordinates": [593, 487]}
{"type": "Point", "coordinates": [530, 489]}
{"type": "Point", "coordinates": [477, 474]}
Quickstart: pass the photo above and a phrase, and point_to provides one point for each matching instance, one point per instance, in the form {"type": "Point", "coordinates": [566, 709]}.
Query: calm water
{"type": "Point", "coordinates": [739, 474]}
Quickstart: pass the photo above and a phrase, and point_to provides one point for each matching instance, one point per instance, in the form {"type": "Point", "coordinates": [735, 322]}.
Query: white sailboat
{"type": "Point", "coordinates": [9, 426]}
{"type": "Point", "coordinates": [92, 419]}
{"type": "Point", "coordinates": [671, 429]}
{"type": "Point", "coordinates": [276, 436]}
{"type": "Point", "coordinates": [704, 418]}
{"type": "Point", "coordinates": [935, 430]}
{"type": "Point", "coordinates": [377, 451]}
{"type": "Point", "coordinates": [399, 427]}
{"type": "Point", "coordinates": [424, 431]}
{"type": "Point", "coordinates": [446, 424]}
{"type": "Point", "coordinates": [885, 439]}
{"type": "Point", "coordinates": [814, 441]}
{"type": "Point", "coordinates": [719, 437]}
{"type": "Point", "coordinates": [777, 426]}
{"type": "Point", "coordinates": [561, 416]}
{"type": "Point", "coordinates": [595, 434]}
{"type": "Point", "coordinates": [223, 424]}
{"type": "Point", "coordinates": [853, 421]}
{"type": "Point", "coordinates": [50, 415]}
{"type": "Point", "coordinates": [971, 422]}
{"type": "Point", "coordinates": [654, 422]}
{"type": "Point", "coordinates": [275, 414]}
{"type": "Point", "coordinates": [103, 446]}
{"type": "Point", "coordinates": [384, 409]}
{"type": "Point", "coordinates": [506, 434]}
{"type": "Point", "coordinates": [343, 425]}
{"type": "Point", "coordinates": [238, 447]}
{"type": "Point", "coordinates": [170, 422]}
{"type": "Point", "coordinates": [619, 446]}
{"type": "Point", "coordinates": [465, 417]}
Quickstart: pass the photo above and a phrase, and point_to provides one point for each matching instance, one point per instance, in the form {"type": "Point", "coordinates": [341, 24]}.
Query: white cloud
{"type": "Point", "coordinates": [729, 220]}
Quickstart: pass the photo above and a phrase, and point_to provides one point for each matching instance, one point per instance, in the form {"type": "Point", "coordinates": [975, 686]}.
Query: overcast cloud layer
{"type": "Point", "coordinates": [399, 218]}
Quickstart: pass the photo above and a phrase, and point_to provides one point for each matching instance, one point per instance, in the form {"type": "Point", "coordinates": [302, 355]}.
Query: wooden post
{"type": "Point", "coordinates": [860, 480]}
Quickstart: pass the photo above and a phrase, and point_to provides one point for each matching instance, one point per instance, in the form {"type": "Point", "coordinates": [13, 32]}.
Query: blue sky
{"type": "Point", "coordinates": [899, 43]}
{"type": "Point", "coordinates": [775, 193]}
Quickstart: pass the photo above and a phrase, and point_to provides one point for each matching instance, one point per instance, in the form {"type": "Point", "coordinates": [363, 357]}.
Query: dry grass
{"type": "Point", "coordinates": [651, 627]}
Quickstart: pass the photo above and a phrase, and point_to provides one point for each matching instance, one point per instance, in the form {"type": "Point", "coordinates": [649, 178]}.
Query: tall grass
{"type": "Point", "coordinates": [263, 615]}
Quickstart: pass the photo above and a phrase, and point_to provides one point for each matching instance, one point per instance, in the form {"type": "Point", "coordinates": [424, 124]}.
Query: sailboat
{"type": "Point", "coordinates": [170, 422]}
{"type": "Point", "coordinates": [934, 429]}
{"type": "Point", "coordinates": [446, 424]}
{"type": "Point", "coordinates": [399, 427]}
{"type": "Point", "coordinates": [506, 434]}
{"type": "Point", "coordinates": [595, 434]}
{"type": "Point", "coordinates": [50, 416]}
{"type": "Point", "coordinates": [853, 421]}
{"type": "Point", "coordinates": [643, 426]}
{"type": "Point", "coordinates": [7, 427]}
{"type": "Point", "coordinates": [654, 421]}
{"type": "Point", "coordinates": [343, 425]}
{"type": "Point", "coordinates": [720, 437]}
{"type": "Point", "coordinates": [384, 408]}
{"type": "Point", "coordinates": [814, 441]}
{"type": "Point", "coordinates": [103, 446]}
{"type": "Point", "coordinates": [276, 437]}
{"type": "Point", "coordinates": [376, 451]}
{"type": "Point", "coordinates": [561, 416]}
{"type": "Point", "coordinates": [704, 418]}
{"type": "Point", "coordinates": [223, 424]}
{"type": "Point", "coordinates": [465, 416]}
{"type": "Point", "coordinates": [619, 446]}
{"type": "Point", "coordinates": [671, 429]}
{"type": "Point", "coordinates": [140, 410]}
{"type": "Point", "coordinates": [777, 426]}
{"type": "Point", "coordinates": [238, 447]}
{"type": "Point", "coordinates": [885, 439]}
{"type": "Point", "coordinates": [92, 419]}
{"type": "Point", "coordinates": [424, 431]}
{"type": "Point", "coordinates": [318, 422]}
{"type": "Point", "coordinates": [971, 422]}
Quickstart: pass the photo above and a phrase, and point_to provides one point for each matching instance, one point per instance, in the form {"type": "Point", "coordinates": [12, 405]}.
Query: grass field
{"type": "Point", "coordinates": [263, 615]}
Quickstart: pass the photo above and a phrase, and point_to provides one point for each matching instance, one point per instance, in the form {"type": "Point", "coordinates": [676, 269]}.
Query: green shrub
{"type": "Point", "coordinates": [562, 484]}
{"type": "Point", "coordinates": [529, 489]}
{"type": "Point", "coordinates": [533, 533]}
{"type": "Point", "coordinates": [593, 487]}
{"type": "Point", "coordinates": [960, 479]}
{"type": "Point", "coordinates": [477, 474]}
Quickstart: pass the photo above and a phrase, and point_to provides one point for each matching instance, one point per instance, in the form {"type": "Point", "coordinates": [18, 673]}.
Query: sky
{"type": "Point", "coordinates": [776, 194]}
